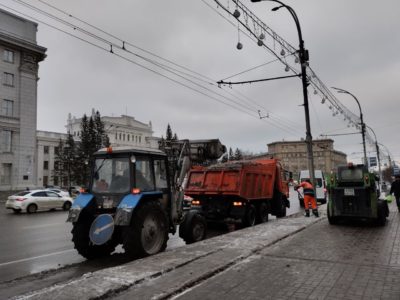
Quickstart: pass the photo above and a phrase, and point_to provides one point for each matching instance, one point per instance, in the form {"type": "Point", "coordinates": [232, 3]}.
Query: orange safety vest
{"type": "Point", "coordinates": [308, 188]}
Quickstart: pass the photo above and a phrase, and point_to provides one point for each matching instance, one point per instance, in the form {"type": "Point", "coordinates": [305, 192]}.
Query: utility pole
{"type": "Point", "coordinates": [304, 57]}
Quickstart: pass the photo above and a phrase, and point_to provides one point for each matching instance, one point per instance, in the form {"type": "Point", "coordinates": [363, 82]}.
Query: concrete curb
{"type": "Point", "coordinates": [181, 268]}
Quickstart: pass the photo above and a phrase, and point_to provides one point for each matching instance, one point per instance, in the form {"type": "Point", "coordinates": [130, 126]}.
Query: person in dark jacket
{"type": "Point", "coordinates": [309, 197]}
{"type": "Point", "coordinates": [395, 188]}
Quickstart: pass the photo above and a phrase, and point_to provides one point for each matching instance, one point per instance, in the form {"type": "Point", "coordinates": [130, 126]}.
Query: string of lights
{"type": "Point", "coordinates": [275, 43]}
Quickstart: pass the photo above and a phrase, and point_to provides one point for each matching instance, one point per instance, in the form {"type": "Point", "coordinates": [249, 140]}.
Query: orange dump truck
{"type": "Point", "coordinates": [241, 190]}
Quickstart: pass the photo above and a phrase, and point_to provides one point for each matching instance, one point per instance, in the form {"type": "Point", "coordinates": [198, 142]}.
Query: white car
{"type": "Point", "coordinates": [32, 201]}
{"type": "Point", "coordinates": [59, 191]}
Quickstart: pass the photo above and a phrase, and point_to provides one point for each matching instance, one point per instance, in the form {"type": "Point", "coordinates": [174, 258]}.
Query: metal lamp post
{"type": "Point", "coordinates": [304, 57]}
{"type": "Point", "coordinates": [361, 120]}
{"type": "Point", "coordinates": [378, 155]}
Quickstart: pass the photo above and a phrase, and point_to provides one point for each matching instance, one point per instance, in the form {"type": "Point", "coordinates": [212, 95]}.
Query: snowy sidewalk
{"type": "Point", "coordinates": [170, 273]}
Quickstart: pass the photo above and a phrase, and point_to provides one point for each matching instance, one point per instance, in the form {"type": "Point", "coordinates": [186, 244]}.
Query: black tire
{"type": "Point", "coordinates": [331, 219]}
{"type": "Point", "coordinates": [66, 205]}
{"type": "Point", "coordinates": [83, 244]}
{"type": "Point", "coordinates": [381, 220]}
{"type": "Point", "coordinates": [249, 218]}
{"type": "Point", "coordinates": [193, 228]}
{"type": "Point", "coordinates": [32, 208]}
{"type": "Point", "coordinates": [262, 213]}
{"type": "Point", "coordinates": [281, 206]}
{"type": "Point", "coordinates": [148, 232]}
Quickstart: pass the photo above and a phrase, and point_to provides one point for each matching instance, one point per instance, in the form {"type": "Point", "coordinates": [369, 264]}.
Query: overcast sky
{"type": "Point", "coordinates": [354, 45]}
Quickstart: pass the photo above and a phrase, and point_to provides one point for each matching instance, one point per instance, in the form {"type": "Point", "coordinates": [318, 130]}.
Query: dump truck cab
{"type": "Point", "coordinates": [353, 194]}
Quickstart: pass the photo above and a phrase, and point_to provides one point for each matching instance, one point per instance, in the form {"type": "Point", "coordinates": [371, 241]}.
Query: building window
{"type": "Point", "coordinates": [45, 181]}
{"type": "Point", "coordinates": [46, 149]}
{"type": "Point", "coordinates": [45, 165]}
{"type": "Point", "coordinates": [8, 56]}
{"type": "Point", "coordinates": [6, 138]}
{"type": "Point", "coordinates": [127, 136]}
{"type": "Point", "coordinates": [5, 174]}
{"type": "Point", "coordinates": [56, 167]}
{"type": "Point", "coordinates": [8, 79]}
{"type": "Point", "coordinates": [123, 137]}
{"type": "Point", "coordinates": [140, 139]}
{"type": "Point", "coordinates": [56, 149]}
{"type": "Point", "coordinates": [7, 108]}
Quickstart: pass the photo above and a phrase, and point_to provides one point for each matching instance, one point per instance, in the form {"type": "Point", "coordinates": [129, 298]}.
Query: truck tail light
{"type": "Point", "coordinates": [238, 203]}
{"type": "Point", "coordinates": [196, 202]}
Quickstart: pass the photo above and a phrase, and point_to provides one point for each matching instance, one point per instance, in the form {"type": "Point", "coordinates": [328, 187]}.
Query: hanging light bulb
{"type": "Point", "coordinates": [315, 92]}
{"type": "Point", "coordinates": [283, 52]}
{"type": "Point", "coordinates": [287, 68]}
{"type": "Point", "coordinates": [260, 42]}
{"type": "Point", "coordinates": [236, 13]}
{"type": "Point", "coordinates": [323, 100]}
{"type": "Point", "coordinates": [296, 60]}
{"type": "Point", "coordinates": [262, 36]}
{"type": "Point", "coordinates": [239, 46]}
{"type": "Point", "coordinates": [330, 106]}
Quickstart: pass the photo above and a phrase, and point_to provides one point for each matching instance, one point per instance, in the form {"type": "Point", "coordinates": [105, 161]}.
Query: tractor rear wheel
{"type": "Point", "coordinates": [148, 232]}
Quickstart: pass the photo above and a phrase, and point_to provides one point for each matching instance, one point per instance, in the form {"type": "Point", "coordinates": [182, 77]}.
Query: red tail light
{"type": "Point", "coordinates": [20, 199]}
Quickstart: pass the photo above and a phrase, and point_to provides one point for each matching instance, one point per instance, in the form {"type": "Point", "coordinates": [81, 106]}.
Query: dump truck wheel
{"type": "Point", "coordinates": [148, 232]}
{"type": "Point", "coordinates": [80, 237]}
{"type": "Point", "coordinates": [262, 215]}
{"type": "Point", "coordinates": [193, 228]}
{"type": "Point", "coordinates": [249, 218]}
{"type": "Point", "coordinates": [281, 207]}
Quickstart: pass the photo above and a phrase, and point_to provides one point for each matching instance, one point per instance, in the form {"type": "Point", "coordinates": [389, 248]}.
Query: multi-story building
{"type": "Point", "coordinates": [19, 63]}
{"type": "Point", "coordinates": [47, 147]}
{"type": "Point", "coordinates": [122, 131]}
{"type": "Point", "coordinates": [293, 155]}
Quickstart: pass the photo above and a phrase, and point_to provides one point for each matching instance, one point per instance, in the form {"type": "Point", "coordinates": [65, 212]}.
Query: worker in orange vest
{"type": "Point", "coordinates": [309, 197]}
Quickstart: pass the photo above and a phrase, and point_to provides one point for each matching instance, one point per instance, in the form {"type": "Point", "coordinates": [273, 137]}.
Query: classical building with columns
{"type": "Point", "coordinates": [19, 63]}
{"type": "Point", "coordinates": [293, 155]}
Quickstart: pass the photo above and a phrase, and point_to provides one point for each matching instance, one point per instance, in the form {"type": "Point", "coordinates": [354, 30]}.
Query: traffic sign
{"type": "Point", "coordinates": [372, 161]}
{"type": "Point", "coordinates": [102, 229]}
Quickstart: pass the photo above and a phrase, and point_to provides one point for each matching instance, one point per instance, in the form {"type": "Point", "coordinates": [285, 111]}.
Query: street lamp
{"type": "Point", "coordinates": [388, 154]}
{"type": "Point", "coordinates": [304, 57]}
{"type": "Point", "coordinates": [361, 120]}
{"type": "Point", "coordinates": [377, 154]}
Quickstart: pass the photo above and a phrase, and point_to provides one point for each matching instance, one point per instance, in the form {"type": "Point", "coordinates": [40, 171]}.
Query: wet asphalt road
{"type": "Point", "coordinates": [42, 241]}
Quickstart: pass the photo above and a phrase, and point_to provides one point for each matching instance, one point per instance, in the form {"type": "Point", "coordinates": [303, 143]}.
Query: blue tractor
{"type": "Point", "coordinates": [135, 198]}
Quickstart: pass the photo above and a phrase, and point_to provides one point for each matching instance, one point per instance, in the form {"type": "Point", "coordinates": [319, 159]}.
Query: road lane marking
{"type": "Point", "coordinates": [42, 225]}
{"type": "Point", "coordinates": [35, 257]}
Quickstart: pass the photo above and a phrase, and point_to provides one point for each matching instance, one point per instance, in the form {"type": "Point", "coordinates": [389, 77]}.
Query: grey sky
{"type": "Point", "coordinates": [353, 45]}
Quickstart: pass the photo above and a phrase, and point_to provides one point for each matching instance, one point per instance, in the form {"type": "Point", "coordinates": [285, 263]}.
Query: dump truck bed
{"type": "Point", "coordinates": [245, 179]}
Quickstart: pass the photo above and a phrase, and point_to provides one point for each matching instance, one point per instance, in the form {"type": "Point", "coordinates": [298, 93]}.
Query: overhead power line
{"type": "Point", "coordinates": [245, 108]}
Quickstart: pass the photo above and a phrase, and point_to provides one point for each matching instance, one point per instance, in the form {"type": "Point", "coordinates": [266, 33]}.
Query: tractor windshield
{"type": "Point", "coordinates": [353, 174]}
{"type": "Point", "coordinates": [111, 175]}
